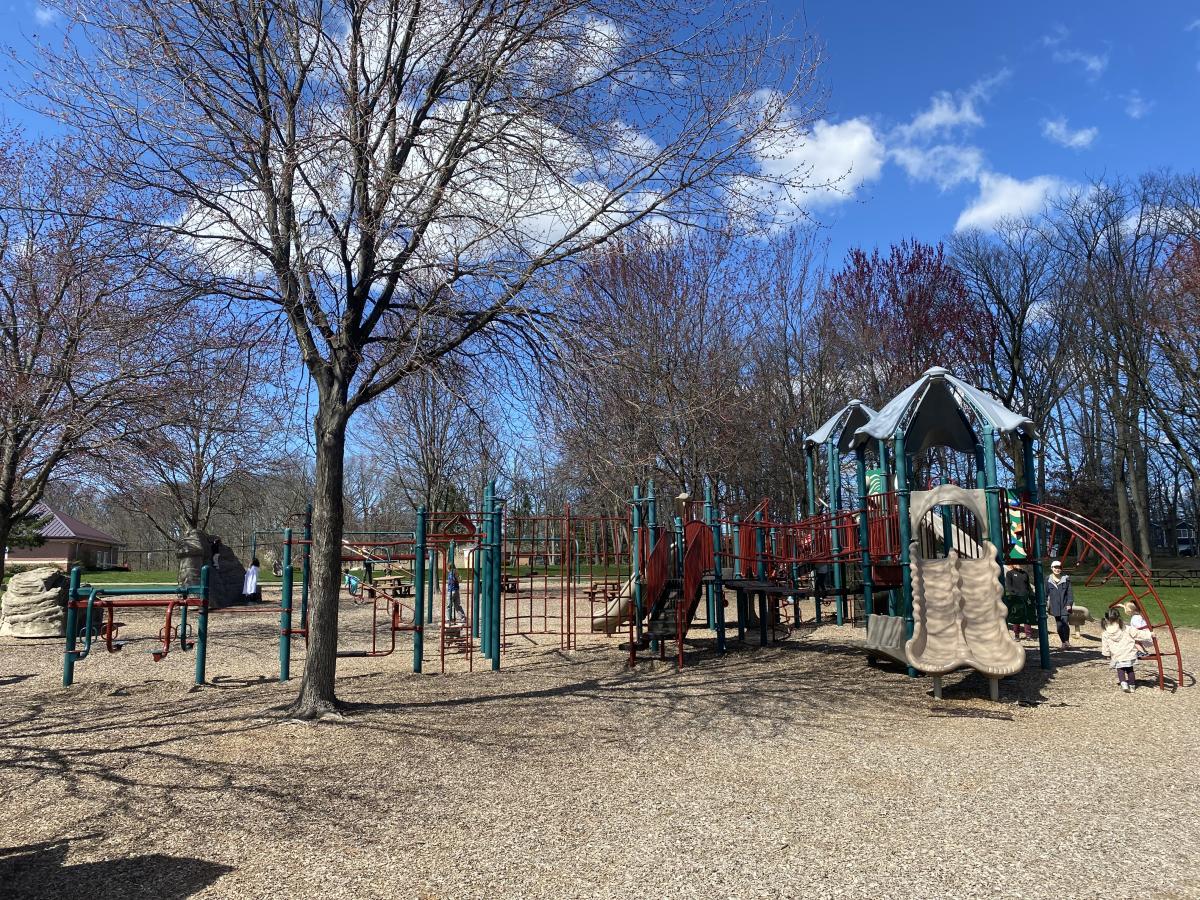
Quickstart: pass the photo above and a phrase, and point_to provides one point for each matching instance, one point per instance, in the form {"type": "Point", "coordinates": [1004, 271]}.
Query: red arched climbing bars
{"type": "Point", "coordinates": [1114, 560]}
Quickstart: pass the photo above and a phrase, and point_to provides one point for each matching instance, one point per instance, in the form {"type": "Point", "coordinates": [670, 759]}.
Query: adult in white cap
{"type": "Point", "coordinates": [1059, 600]}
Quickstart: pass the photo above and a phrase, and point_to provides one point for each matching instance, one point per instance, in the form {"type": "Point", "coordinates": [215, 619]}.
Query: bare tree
{"type": "Point", "coordinates": [395, 176]}
{"type": "Point", "coordinates": [424, 431]}
{"type": "Point", "coordinates": [85, 322]}
{"type": "Point", "coordinates": [220, 425]}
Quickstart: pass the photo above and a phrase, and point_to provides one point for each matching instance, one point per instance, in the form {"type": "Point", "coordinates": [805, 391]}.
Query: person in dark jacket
{"type": "Point", "coordinates": [1016, 587]}
{"type": "Point", "coordinates": [1059, 600]}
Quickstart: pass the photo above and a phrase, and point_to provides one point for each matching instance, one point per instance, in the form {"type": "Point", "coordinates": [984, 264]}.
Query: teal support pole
{"type": "Point", "coordinates": [202, 626]}
{"type": "Point", "coordinates": [718, 586]}
{"type": "Point", "coordinates": [710, 607]}
{"type": "Point", "coordinates": [1034, 544]}
{"type": "Point", "coordinates": [885, 471]}
{"type": "Point", "coordinates": [285, 609]}
{"type": "Point", "coordinates": [903, 502]}
{"type": "Point", "coordinates": [306, 567]}
{"type": "Point", "coordinates": [652, 525]}
{"type": "Point", "coordinates": [760, 547]}
{"type": "Point", "coordinates": [638, 537]}
{"type": "Point", "coordinates": [864, 534]}
{"type": "Point", "coordinates": [72, 627]}
{"type": "Point", "coordinates": [810, 478]}
{"type": "Point", "coordinates": [835, 540]}
{"type": "Point", "coordinates": [497, 570]}
{"type": "Point", "coordinates": [738, 574]}
{"type": "Point", "coordinates": [992, 488]}
{"type": "Point", "coordinates": [419, 593]}
{"type": "Point", "coordinates": [679, 548]}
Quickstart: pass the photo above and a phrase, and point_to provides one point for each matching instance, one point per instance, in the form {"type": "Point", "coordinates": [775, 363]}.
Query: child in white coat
{"type": "Point", "coordinates": [1137, 621]}
{"type": "Point", "coordinates": [1119, 645]}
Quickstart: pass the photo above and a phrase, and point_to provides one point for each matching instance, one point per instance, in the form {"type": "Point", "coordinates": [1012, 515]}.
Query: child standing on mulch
{"type": "Point", "coordinates": [1119, 644]}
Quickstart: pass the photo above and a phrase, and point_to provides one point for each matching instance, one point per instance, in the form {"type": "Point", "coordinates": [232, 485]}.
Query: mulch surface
{"type": "Point", "coordinates": [791, 771]}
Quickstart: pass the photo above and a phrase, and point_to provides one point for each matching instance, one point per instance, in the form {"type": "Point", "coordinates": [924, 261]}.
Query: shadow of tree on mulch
{"type": "Point", "coordinates": [42, 870]}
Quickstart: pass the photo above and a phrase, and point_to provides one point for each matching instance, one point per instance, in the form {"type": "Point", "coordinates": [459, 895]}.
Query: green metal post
{"type": "Point", "coordinates": [497, 572]}
{"type": "Point", "coordinates": [652, 526]}
{"type": "Point", "coordinates": [1034, 545]}
{"type": "Point", "coordinates": [760, 548]}
{"type": "Point", "coordinates": [202, 626]}
{"type": "Point", "coordinates": [710, 606]}
{"type": "Point", "coordinates": [810, 478]}
{"type": "Point", "coordinates": [885, 475]}
{"type": "Point", "coordinates": [864, 533]}
{"type": "Point", "coordinates": [638, 538]}
{"type": "Point", "coordinates": [718, 586]}
{"type": "Point", "coordinates": [903, 502]}
{"type": "Point", "coordinates": [285, 609]}
{"type": "Point", "coordinates": [835, 540]}
{"type": "Point", "coordinates": [679, 548]}
{"type": "Point", "coordinates": [993, 497]}
{"type": "Point", "coordinates": [73, 627]}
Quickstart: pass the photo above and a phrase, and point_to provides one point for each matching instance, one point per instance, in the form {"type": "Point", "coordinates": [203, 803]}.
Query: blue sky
{"type": "Point", "coordinates": [949, 114]}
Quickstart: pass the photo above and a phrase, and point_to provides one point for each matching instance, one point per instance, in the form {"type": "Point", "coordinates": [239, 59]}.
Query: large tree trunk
{"type": "Point", "coordinates": [317, 697]}
{"type": "Point", "coordinates": [1141, 497]}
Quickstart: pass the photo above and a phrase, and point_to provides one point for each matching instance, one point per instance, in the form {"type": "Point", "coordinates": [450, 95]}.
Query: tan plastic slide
{"type": "Point", "coordinates": [958, 603]}
{"type": "Point", "coordinates": [618, 610]}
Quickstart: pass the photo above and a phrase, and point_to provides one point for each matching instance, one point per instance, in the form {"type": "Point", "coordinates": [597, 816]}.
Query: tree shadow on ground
{"type": "Point", "coordinates": [42, 870]}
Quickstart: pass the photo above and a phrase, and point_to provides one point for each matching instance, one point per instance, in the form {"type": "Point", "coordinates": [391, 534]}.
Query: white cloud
{"type": "Point", "coordinates": [43, 15]}
{"type": "Point", "coordinates": [1137, 106]}
{"type": "Point", "coordinates": [944, 164]}
{"type": "Point", "coordinates": [1003, 197]}
{"type": "Point", "coordinates": [839, 158]}
{"type": "Point", "coordinates": [1193, 26]}
{"type": "Point", "coordinates": [949, 111]}
{"type": "Point", "coordinates": [1058, 131]}
{"type": "Point", "coordinates": [1093, 64]}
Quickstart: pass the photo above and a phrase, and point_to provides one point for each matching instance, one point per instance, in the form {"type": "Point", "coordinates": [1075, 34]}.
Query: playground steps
{"type": "Point", "coordinates": [663, 616]}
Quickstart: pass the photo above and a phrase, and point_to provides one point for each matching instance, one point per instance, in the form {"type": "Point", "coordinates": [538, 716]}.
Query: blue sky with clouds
{"type": "Point", "coordinates": [950, 114]}
{"type": "Point", "coordinates": [944, 115]}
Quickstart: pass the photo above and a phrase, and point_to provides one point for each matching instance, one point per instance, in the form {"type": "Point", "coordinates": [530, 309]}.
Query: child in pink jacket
{"type": "Point", "coordinates": [1119, 644]}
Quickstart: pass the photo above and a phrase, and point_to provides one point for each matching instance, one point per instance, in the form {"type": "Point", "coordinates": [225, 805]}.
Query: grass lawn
{"type": "Point", "coordinates": [1182, 603]}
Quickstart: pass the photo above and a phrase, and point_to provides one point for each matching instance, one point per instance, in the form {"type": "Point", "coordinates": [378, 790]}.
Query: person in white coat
{"type": "Point", "coordinates": [250, 584]}
{"type": "Point", "coordinates": [1119, 645]}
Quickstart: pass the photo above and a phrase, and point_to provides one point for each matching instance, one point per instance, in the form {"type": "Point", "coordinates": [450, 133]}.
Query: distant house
{"type": "Point", "coordinates": [69, 542]}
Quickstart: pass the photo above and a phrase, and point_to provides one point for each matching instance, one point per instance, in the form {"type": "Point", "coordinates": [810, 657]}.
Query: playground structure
{"type": "Point", "coordinates": [921, 569]}
{"type": "Point", "coordinates": [863, 551]}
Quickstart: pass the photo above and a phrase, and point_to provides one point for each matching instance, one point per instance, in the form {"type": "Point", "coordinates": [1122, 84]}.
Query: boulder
{"type": "Point", "coordinates": [194, 549]}
{"type": "Point", "coordinates": [35, 604]}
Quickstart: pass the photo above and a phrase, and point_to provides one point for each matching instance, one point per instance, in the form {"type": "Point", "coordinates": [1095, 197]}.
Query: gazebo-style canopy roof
{"type": "Point", "coordinates": [843, 424]}
{"type": "Point", "coordinates": [932, 412]}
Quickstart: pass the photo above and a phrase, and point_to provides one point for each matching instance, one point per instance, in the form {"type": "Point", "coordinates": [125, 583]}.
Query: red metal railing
{"type": "Point", "coordinates": [883, 525]}
{"type": "Point", "coordinates": [656, 571]}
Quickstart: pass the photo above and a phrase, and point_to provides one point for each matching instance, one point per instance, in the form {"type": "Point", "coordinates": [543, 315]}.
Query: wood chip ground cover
{"type": "Point", "coordinates": [794, 771]}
